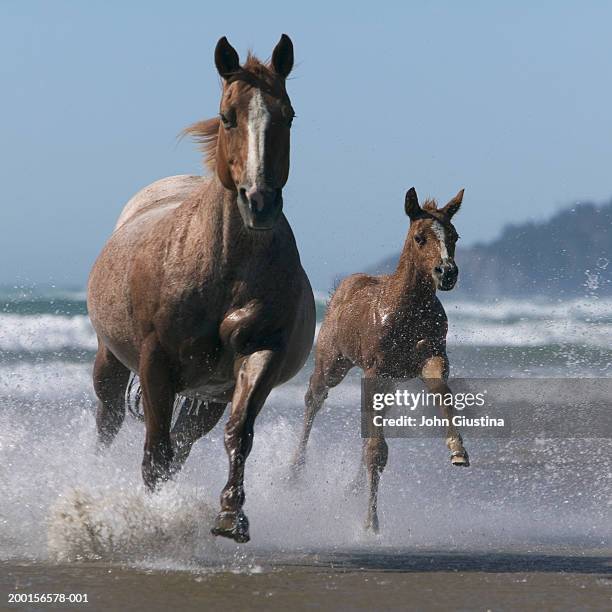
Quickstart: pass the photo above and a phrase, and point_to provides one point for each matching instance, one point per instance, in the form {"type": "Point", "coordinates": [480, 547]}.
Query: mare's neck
{"type": "Point", "coordinates": [219, 216]}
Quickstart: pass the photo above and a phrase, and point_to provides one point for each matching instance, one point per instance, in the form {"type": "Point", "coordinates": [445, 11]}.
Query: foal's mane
{"type": "Point", "coordinates": [206, 132]}
{"type": "Point", "coordinates": [430, 206]}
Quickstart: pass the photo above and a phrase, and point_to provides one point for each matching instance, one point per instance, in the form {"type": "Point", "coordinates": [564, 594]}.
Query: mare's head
{"type": "Point", "coordinates": [248, 144]}
{"type": "Point", "coordinates": [432, 238]}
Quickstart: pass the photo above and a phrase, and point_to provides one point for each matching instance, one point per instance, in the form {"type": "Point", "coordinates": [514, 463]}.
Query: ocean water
{"type": "Point", "coordinates": [60, 502]}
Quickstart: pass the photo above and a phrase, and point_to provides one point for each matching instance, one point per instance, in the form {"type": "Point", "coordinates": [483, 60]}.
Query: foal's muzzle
{"type": "Point", "coordinates": [445, 275]}
{"type": "Point", "coordinates": [260, 208]}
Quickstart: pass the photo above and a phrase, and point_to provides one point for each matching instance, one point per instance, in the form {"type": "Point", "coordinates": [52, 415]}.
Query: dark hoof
{"type": "Point", "coordinates": [233, 525]}
{"type": "Point", "coordinates": [460, 459]}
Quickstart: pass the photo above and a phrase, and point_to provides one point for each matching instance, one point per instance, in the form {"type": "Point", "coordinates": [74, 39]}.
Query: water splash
{"type": "Point", "coordinates": [123, 524]}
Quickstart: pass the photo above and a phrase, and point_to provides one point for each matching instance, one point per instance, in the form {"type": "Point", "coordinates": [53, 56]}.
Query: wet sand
{"type": "Point", "coordinates": [349, 580]}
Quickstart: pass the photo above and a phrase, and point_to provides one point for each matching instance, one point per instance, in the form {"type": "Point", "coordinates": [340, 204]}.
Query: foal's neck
{"type": "Point", "coordinates": [410, 287]}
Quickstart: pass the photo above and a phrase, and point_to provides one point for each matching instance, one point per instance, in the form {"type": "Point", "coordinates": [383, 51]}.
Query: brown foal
{"type": "Point", "coordinates": [392, 326]}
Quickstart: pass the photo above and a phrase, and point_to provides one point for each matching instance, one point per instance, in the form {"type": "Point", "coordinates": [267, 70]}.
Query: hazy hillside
{"type": "Point", "coordinates": [568, 255]}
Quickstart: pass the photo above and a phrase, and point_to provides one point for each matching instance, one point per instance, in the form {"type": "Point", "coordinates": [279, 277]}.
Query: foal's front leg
{"type": "Point", "coordinates": [255, 380]}
{"type": "Point", "coordinates": [435, 374]}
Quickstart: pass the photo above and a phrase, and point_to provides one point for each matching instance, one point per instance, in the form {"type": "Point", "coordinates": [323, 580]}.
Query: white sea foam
{"type": "Point", "coordinates": [62, 501]}
{"type": "Point", "coordinates": [45, 381]}
{"type": "Point", "coordinates": [46, 332]}
{"type": "Point", "coordinates": [583, 322]}
{"type": "Point", "coordinates": [59, 500]}
{"type": "Point", "coordinates": [507, 322]}
{"type": "Point", "coordinates": [126, 523]}
{"type": "Point", "coordinates": [529, 333]}
{"type": "Point", "coordinates": [584, 309]}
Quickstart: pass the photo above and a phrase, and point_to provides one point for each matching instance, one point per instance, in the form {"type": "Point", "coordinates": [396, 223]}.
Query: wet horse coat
{"type": "Point", "coordinates": [200, 289]}
{"type": "Point", "coordinates": [391, 326]}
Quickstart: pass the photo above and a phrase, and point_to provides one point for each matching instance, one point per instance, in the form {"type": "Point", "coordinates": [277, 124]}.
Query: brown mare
{"type": "Point", "coordinates": [200, 290]}
{"type": "Point", "coordinates": [391, 326]}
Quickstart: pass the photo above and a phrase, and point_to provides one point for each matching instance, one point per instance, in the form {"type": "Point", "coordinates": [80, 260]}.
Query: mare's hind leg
{"type": "Point", "coordinates": [435, 374]}
{"type": "Point", "coordinates": [110, 378]}
{"type": "Point", "coordinates": [195, 420]}
{"type": "Point", "coordinates": [327, 374]}
{"type": "Point", "coordinates": [158, 400]}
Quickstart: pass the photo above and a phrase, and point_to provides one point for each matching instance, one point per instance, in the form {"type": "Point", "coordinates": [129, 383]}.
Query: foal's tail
{"type": "Point", "coordinates": [133, 401]}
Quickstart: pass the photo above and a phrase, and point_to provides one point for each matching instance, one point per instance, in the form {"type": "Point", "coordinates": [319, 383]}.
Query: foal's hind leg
{"type": "Point", "coordinates": [375, 454]}
{"type": "Point", "coordinates": [194, 421]}
{"type": "Point", "coordinates": [435, 374]}
{"type": "Point", "coordinates": [324, 377]}
{"type": "Point", "coordinates": [110, 378]}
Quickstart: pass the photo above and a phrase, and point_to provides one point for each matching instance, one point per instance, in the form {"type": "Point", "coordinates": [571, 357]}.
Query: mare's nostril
{"type": "Point", "coordinates": [256, 199]}
{"type": "Point", "coordinates": [438, 270]}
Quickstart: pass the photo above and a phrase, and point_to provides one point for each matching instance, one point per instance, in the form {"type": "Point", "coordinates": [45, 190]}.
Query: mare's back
{"type": "Point", "coordinates": [159, 198]}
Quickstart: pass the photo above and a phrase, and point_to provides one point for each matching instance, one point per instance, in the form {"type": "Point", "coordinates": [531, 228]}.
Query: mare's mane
{"type": "Point", "coordinates": [206, 132]}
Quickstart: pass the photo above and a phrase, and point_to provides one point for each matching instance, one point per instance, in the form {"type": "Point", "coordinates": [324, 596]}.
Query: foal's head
{"type": "Point", "coordinates": [248, 144]}
{"type": "Point", "coordinates": [432, 238]}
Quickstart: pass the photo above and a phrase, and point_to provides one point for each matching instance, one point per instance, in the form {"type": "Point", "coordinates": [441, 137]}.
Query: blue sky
{"type": "Point", "coordinates": [509, 100]}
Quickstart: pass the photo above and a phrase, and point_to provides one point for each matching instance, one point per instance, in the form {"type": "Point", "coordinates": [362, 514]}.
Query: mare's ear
{"type": "Point", "coordinates": [282, 57]}
{"type": "Point", "coordinates": [226, 58]}
{"type": "Point", "coordinates": [453, 206]}
{"type": "Point", "coordinates": [411, 204]}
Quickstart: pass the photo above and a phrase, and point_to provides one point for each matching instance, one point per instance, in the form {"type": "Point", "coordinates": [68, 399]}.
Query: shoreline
{"type": "Point", "coordinates": [356, 580]}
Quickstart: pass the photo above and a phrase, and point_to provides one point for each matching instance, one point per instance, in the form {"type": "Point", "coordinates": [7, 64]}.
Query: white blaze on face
{"type": "Point", "coordinates": [259, 119]}
{"type": "Point", "coordinates": [438, 230]}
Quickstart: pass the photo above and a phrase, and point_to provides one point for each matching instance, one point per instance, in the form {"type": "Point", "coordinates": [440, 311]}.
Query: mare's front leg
{"type": "Point", "coordinates": [158, 401]}
{"type": "Point", "coordinates": [256, 377]}
{"type": "Point", "coordinates": [435, 374]}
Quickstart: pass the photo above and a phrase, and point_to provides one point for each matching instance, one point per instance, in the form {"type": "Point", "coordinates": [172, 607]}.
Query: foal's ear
{"type": "Point", "coordinates": [453, 206]}
{"type": "Point", "coordinates": [226, 58]}
{"type": "Point", "coordinates": [411, 204]}
{"type": "Point", "coordinates": [282, 57]}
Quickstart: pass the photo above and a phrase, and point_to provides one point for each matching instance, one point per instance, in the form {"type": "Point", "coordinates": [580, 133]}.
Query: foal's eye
{"type": "Point", "coordinates": [419, 239]}
{"type": "Point", "coordinates": [228, 119]}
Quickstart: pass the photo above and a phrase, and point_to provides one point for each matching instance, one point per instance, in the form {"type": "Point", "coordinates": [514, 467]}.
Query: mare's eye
{"type": "Point", "coordinates": [420, 239]}
{"type": "Point", "coordinates": [228, 119]}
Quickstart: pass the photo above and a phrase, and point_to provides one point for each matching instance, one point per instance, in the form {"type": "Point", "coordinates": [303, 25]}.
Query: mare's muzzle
{"type": "Point", "coordinates": [260, 208]}
{"type": "Point", "coordinates": [446, 275]}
